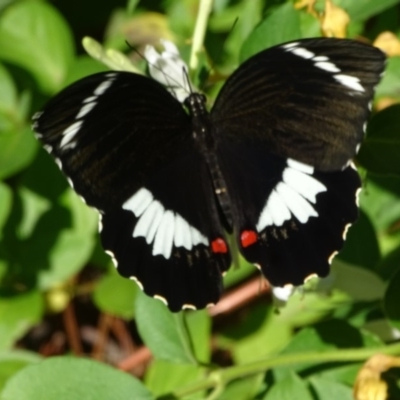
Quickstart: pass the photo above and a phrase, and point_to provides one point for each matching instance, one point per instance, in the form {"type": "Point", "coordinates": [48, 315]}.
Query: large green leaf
{"type": "Point", "coordinates": [17, 314]}
{"type": "Point", "coordinates": [331, 390]}
{"type": "Point", "coordinates": [13, 361]}
{"type": "Point", "coordinates": [163, 332]}
{"type": "Point", "coordinates": [5, 204]}
{"type": "Point", "coordinates": [66, 378]}
{"type": "Point", "coordinates": [8, 92]}
{"type": "Point", "coordinates": [325, 336]}
{"type": "Point", "coordinates": [164, 377]}
{"type": "Point", "coordinates": [381, 148]}
{"type": "Point", "coordinates": [115, 295]}
{"type": "Point", "coordinates": [289, 388]}
{"type": "Point", "coordinates": [35, 36]}
{"type": "Point", "coordinates": [391, 300]}
{"type": "Point", "coordinates": [390, 83]}
{"type": "Point", "coordinates": [361, 246]}
{"type": "Point", "coordinates": [282, 25]}
{"type": "Point", "coordinates": [17, 150]}
{"type": "Point", "coordinates": [360, 10]}
{"type": "Point", "coordinates": [49, 235]}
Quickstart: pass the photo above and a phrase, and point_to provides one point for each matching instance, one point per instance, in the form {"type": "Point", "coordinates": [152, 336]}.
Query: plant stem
{"type": "Point", "coordinates": [199, 32]}
{"type": "Point", "coordinates": [228, 374]}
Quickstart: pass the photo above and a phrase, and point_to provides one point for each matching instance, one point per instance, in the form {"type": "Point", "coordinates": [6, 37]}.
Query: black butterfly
{"type": "Point", "coordinates": [270, 164]}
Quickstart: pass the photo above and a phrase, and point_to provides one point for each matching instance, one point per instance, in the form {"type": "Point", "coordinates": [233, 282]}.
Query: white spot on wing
{"type": "Point", "coordinates": [162, 228]}
{"type": "Point", "coordinates": [358, 191]}
{"type": "Point", "coordinates": [48, 148]}
{"type": "Point", "coordinates": [69, 135]}
{"type": "Point", "coordinates": [188, 307]}
{"type": "Point", "coordinates": [58, 162]}
{"type": "Point", "coordinates": [306, 185]}
{"type": "Point", "coordinates": [90, 99]}
{"type": "Point", "coordinates": [69, 180]}
{"type": "Point", "coordinates": [320, 58]}
{"type": "Point", "coordinates": [275, 210]}
{"type": "Point", "coordinates": [133, 278]}
{"type": "Point", "coordinates": [100, 223]}
{"type": "Point", "coordinates": [149, 221]}
{"type": "Point", "coordinates": [332, 256]}
{"type": "Point", "coordinates": [290, 45]}
{"type": "Point", "coordinates": [327, 66]}
{"type": "Point", "coordinates": [165, 235]}
{"type": "Point", "coordinates": [102, 87]}
{"type": "Point", "coordinates": [346, 229]}
{"type": "Point", "coordinates": [297, 204]}
{"type": "Point", "coordinates": [197, 237]}
{"type": "Point", "coordinates": [37, 115]}
{"type": "Point", "coordinates": [161, 298]}
{"type": "Point", "coordinates": [308, 169]}
{"type": "Point", "coordinates": [85, 109]}
{"type": "Point", "coordinates": [292, 196]}
{"type": "Point", "coordinates": [351, 82]}
{"type": "Point", "coordinates": [138, 202]}
{"type": "Point", "coordinates": [303, 53]}
{"type": "Point", "coordinates": [182, 236]}
{"type": "Point", "coordinates": [113, 259]}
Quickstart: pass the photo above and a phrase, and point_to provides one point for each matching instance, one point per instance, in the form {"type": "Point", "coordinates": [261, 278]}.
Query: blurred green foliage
{"type": "Point", "coordinates": [47, 235]}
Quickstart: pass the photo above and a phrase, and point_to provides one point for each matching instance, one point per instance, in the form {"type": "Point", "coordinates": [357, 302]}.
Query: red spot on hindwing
{"type": "Point", "coordinates": [219, 246]}
{"type": "Point", "coordinates": [247, 238]}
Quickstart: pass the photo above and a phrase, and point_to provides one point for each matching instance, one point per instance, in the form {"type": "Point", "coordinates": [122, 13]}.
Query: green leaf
{"type": "Point", "coordinates": [381, 148]}
{"type": "Point", "coordinates": [361, 246]}
{"type": "Point", "coordinates": [358, 283]}
{"type": "Point", "coordinates": [325, 336]}
{"type": "Point", "coordinates": [289, 388]}
{"type": "Point", "coordinates": [273, 31]}
{"type": "Point", "coordinates": [391, 300]}
{"type": "Point", "coordinates": [330, 390]}
{"type": "Point", "coordinates": [360, 10]}
{"type": "Point", "coordinates": [199, 329]}
{"type": "Point", "coordinates": [74, 244]}
{"type": "Point", "coordinates": [8, 92]}
{"type": "Point", "coordinates": [163, 332]}
{"type": "Point", "coordinates": [83, 66]}
{"type": "Point", "coordinates": [260, 334]}
{"type": "Point", "coordinates": [17, 150]}
{"type": "Point", "coordinates": [66, 378]}
{"type": "Point", "coordinates": [49, 235]}
{"type": "Point", "coordinates": [18, 314]}
{"type": "Point", "coordinates": [163, 377]}
{"type": "Point", "coordinates": [13, 361]}
{"type": "Point", "coordinates": [379, 199]}
{"type": "Point", "coordinates": [246, 388]}
{"type": "Point", "coordinates": [33, 35]}
{"type": "Point", "coordinates": [390, 83]}
{"type": "Point", "coordinates": [5, 204]}
{"type": "Point", "coordinates": [115, 295]}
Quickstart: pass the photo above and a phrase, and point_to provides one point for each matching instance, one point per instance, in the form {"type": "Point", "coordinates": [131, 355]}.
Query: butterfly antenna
{"type": "Point", "coordinates": [186, 76]}
{"type": "Point", "coordinates": [167, 76]}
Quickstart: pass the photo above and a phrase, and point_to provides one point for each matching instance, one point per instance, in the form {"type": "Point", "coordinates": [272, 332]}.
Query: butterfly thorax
{"type": "Point", "coordinates": [206, 143]}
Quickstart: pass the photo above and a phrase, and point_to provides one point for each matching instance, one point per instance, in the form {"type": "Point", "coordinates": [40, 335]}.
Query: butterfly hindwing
{"type": "Point", "coordinates": [307, 100]}
{"type": "Point", "coordinates": [159, 217]}
{"type": "Point", "coordinates": [292, 220]}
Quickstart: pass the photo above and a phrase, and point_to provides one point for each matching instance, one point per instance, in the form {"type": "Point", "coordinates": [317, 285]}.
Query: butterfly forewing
{"type": "Point", "coordinates": [307, 100]}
